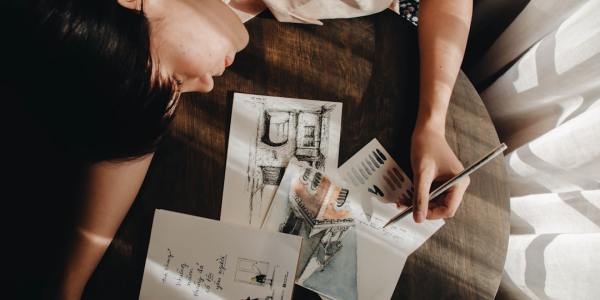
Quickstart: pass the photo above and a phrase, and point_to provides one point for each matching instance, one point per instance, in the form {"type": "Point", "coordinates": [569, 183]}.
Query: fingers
{"type": "Point", "coordinates": [423, 182]}
{"type": "Point", "coordinates": [450, 202]}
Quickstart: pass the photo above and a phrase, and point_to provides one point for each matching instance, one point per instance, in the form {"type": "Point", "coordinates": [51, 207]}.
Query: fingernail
{"type": "Point", "coordinates": [419, 216]}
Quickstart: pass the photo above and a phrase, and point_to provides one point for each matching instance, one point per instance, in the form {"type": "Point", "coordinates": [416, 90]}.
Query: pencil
{"type": "Point", "coordinates": [452, 181]}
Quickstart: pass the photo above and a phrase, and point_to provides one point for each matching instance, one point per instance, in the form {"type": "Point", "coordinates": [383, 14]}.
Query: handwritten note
{"type": "Point", "coordinates": [196, 258]}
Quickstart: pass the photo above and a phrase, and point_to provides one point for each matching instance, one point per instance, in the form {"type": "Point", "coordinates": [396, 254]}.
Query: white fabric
{"type": "Point", "coordinates": [310, 11]}
{"type": "Point", "coordinates": [546, 107]}
{"type": "Point", "coordinates": [536, 20]}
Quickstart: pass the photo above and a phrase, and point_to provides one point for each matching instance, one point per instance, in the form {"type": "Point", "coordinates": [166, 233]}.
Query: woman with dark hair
{"type": "Point", "coordinates": [109, 74]}
{"type": "Point", "coordinates": [102, 78]}
{"type": "Point", "coordinates": [130, 79]}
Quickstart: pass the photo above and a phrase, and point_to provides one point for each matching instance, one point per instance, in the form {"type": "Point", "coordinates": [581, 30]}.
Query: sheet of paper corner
{"type": "Point", "coordinates": [394, 243]}
{"type": "Point", "coordinates": [172, 269]}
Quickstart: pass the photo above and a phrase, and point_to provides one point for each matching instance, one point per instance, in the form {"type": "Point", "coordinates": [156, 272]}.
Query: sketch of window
{"type": "Point", "coordinates": [276, 128]}
{"type": "Point", "coordinates": [286, 133]}
{"type": "Point", "coordinates": [309, 136]}
{"type": "Point", "coordinates": [253, 272]}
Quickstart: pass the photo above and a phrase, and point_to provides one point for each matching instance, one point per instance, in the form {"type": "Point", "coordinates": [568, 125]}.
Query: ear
{"type": "Point", "coordinates": [131, 4]}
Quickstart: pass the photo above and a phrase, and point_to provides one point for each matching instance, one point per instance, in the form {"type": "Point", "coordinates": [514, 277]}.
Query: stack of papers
{"type": "Point", "coordinates": [282, 186]}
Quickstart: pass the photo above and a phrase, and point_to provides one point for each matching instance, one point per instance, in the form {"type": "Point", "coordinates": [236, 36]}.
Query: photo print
{"type": "Point", "coordinates": [310, 204]}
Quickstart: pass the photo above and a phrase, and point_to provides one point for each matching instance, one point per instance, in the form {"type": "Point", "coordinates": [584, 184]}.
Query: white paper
{"type": "Point", "coordinates": [310, 204]}
{"type": "Point", "coordinates": [379, 190]}
{"type": "Point", "coordinates": [196, 258]}
{"type": "Point", "coordinates": [265, 133]}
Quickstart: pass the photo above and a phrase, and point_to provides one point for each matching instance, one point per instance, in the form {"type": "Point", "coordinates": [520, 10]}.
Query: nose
{"type": "Point", "coordinates": [244, 38]}
{"type": "Point", "coordinates": [229, 60]}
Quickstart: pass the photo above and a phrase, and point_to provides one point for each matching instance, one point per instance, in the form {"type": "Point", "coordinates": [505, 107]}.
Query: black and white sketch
{"type": "Point", "coordinates": [265, 133]}
{"type": "Point", "coordinates": [254, 272]}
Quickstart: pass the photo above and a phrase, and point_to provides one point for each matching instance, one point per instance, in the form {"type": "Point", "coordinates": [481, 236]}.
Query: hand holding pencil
{"type": "Point", "coordinates": [459, 178]}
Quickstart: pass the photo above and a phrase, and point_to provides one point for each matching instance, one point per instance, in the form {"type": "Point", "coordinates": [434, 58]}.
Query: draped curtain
{"type": "Point", "coordinates": [546, 107]}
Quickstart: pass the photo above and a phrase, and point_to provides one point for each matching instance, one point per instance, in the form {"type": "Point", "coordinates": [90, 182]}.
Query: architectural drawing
{"type": "Point", "coordinates": [265, 133]}
{"type": "Point", "coordinates": [289, 133]}
{"type": "Point", "coordinates": [254, 272]}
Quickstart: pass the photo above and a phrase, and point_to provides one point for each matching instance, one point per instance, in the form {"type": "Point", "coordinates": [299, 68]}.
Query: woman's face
{"type": "Point", "coordinates": [193, 40]}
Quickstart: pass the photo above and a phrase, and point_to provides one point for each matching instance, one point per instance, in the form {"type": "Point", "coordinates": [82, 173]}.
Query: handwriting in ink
{"type": "Point", "coordinates": [221, 264]}
{"type": "Point", "coordinates": [180, 272]}
{"type": "Point", "coordinates": [166, 265]}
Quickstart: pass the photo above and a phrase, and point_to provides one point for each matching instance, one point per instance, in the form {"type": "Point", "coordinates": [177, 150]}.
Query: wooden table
{"type": "Point", "coordinates": [371, 65]}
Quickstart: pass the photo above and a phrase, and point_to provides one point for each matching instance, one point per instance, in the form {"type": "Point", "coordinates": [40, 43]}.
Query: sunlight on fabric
{"type": "Point", "coordinates": [568, 107]}
{"type": "Point", "coordinates": [547, 161]}
{"type": "Point", "coordinates": [516, 262]}
{"type": "Point", "coordinates": [572, 212]}
{"type": "Point", "coordinates": [578, 38]}
{"type": "Point", "coordinates": [548, 269]}
{"type": "Point", "coordinates": [593, 197]}
{"type": "Point", "coordinates": [555, 145]}
{"type": "Point", "coordinates": [527, 77]}
{"type": "Point", "coordinates": [525, 175]}
{"type": "Point", "coordinates": [572, 260]}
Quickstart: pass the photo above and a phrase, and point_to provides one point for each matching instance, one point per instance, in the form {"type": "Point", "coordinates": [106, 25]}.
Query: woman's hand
{"type": "Point", "coordinates": [433, 161]}
{"type": "Point", "coordinates": [443, 31]}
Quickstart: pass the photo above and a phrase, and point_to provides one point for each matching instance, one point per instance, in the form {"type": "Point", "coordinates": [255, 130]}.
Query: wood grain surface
{"type": "Point", "coordinates": [371, 65]}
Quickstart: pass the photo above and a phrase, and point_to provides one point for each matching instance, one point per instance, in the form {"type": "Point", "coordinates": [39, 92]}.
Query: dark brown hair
{"type": "Point", "coordinates": [84, 69]}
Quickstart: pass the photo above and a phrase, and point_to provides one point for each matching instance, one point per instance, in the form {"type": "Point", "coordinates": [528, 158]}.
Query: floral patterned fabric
{"type": "Point", "coordinates": [409, 10]}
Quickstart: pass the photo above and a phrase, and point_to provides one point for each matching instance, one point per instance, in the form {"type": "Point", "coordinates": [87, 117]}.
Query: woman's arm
{"type": "Point", "coordinates": [443, 31]}
{"type": "Point", "coordinates": [110, 191]}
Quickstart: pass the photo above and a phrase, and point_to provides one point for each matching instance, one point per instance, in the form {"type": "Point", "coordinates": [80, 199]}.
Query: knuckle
{"type": "Point", "coordinates": [467, 180]}
{"type": "Point", "coordinates": [423, 165]}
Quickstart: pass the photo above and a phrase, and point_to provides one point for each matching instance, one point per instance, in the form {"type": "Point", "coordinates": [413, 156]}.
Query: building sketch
{"type": "Point", "coordinates": [281, 135]}
{"type": "Point", "coordinates": [267, 132]}
{"type": "Point", "coordinates": [254, 272]}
